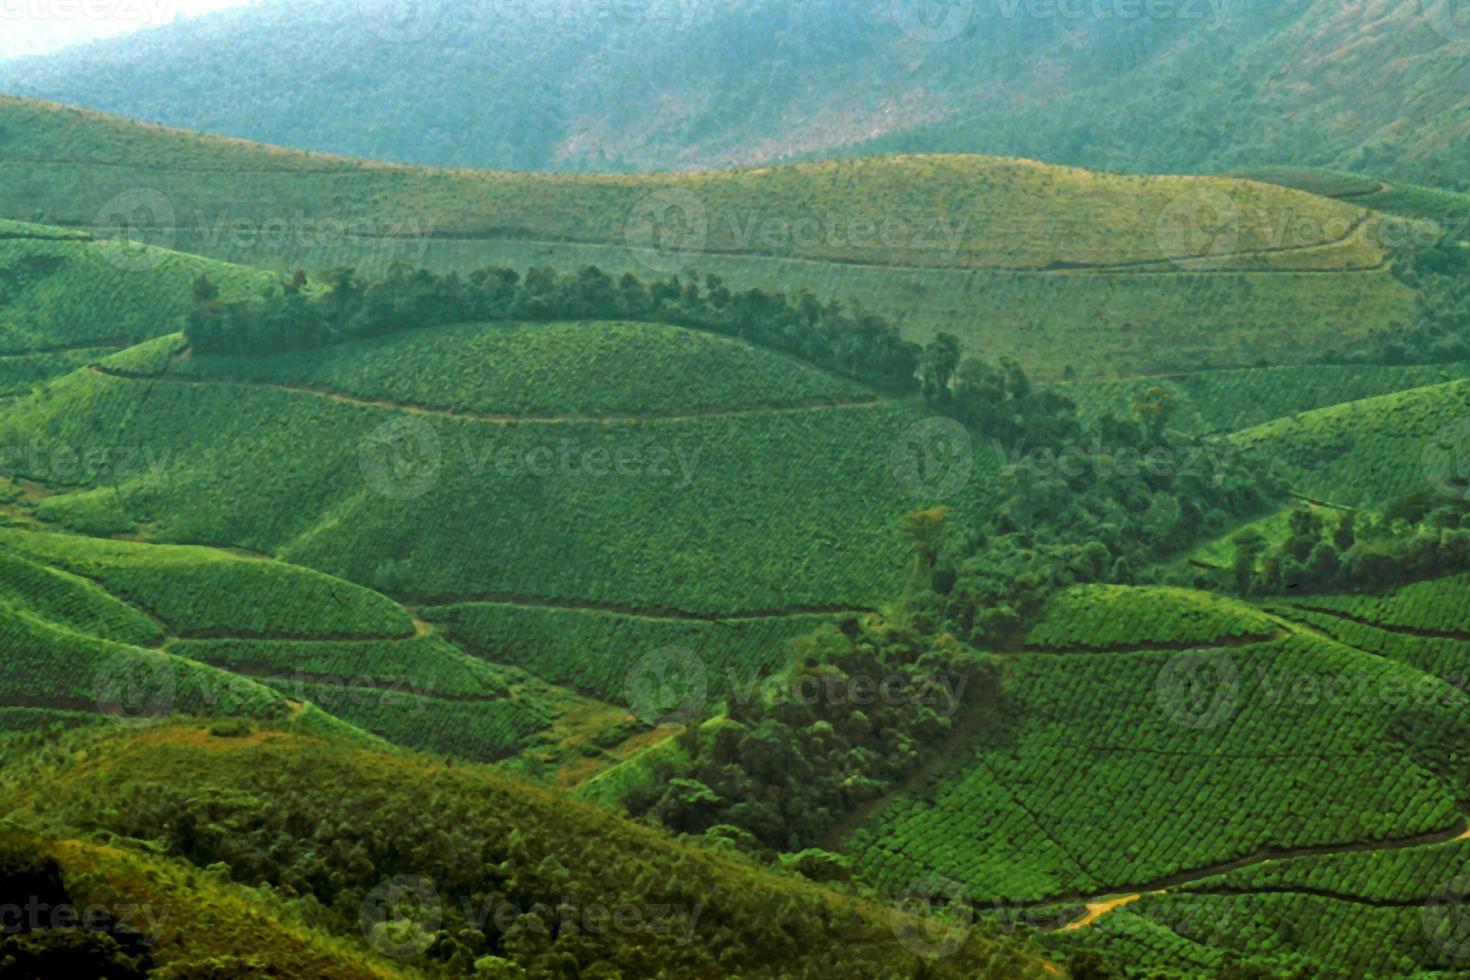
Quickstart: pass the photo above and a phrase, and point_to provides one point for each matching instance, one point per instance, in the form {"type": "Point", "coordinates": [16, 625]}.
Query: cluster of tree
{"type": "Point", "coordinates": [472, 874]}
{"type": "Point", "coordinates": [851, 719]}
{"type": "Point", "coordinates": [41, 938]}
{"type": "Point", "coordinates": [1415, 538]}
{"type": "Point", "coordinates": [1076, 503]}
{"type": "Point", "coordinates": [996, 400]}
{"type": "Point", "coordinates": [345, 305]}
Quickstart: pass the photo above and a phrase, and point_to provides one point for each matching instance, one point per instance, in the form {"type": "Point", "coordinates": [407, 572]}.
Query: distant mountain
{"type": "Point", "coordinates": [1382, 85]}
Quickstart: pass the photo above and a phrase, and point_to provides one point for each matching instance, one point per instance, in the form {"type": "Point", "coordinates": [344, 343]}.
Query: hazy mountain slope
{"type": "Point", "coordinates": [578, 85]}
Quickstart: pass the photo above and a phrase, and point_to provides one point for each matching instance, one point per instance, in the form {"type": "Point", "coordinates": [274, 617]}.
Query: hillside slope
{"type": "Point", "coordinates": [1105, 274]}
{"type": "Point", "coordinates": [497, 870]}
{"type": "Point", "coordinates": [699, 83]}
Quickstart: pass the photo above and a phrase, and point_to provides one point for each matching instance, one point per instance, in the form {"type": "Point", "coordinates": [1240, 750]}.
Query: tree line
{"type": "Point", "coordinates": [344, 304]}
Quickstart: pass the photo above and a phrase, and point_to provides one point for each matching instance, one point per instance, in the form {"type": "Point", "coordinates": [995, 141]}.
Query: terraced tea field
{"type": "Point", "coordinates": [1369, 452]}
{"type": "Point", "coordinates": [1073, 269]}
{"type": "Point", "coordinates": [1228, 401]}
{"type": "Point", "coordinates": [198, 630]}
{"type": "Point", "coordinates": [66, 298]}
{"type": "Point", "coordinates": [1265, 739]}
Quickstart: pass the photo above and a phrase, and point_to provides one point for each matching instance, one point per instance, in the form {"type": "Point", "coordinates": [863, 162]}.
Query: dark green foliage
{"type": "Point", "coordinates": [45, 934]}
{"type": "Point", "coordinates": [850, 719]}
{"type": "Point", "coordinates": [519, 873]}
{"type": "Point", "coordinates": [1406, 544]}
{"type": "Point", "coordinates": [1078, 502]}
{"type": "Point", "coordinates": [347, 307]}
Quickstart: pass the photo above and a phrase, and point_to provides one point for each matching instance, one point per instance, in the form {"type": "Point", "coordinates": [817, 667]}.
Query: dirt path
{"type": "Point", "coordinates": [497, 418]}
{"type": "Point", "coordinates": [1099, 905]}
{"type": "Point", "coordinates": [1415, 631]}
{"type": "Point", "coordinates": [633, 612]}
{"type": "Point", "coordinates": [1096, 910]}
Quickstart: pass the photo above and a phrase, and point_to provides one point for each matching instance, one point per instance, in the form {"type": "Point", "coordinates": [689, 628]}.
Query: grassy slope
{"type": "Point", "coordinates": [545, 369]}
{"type": "Point", "coordinates": [66, 295]}
{"type": "Point", "coordinates": [751, 921]}
{"type": "Point", "coordinates": [809, 495]}
{"type": "Point", "coordinates": [1366, 453]}
{"type": "Point", "coordinates": [838, 228]}
{"type": "Point", "coordinates": [1227, 401]}
{"type": "Point", "coordinates": [1371, 911]}
{"type": "Point", "coordinates": [245, 634]}
{"type": "Point", "coordinates": [1047, 802]}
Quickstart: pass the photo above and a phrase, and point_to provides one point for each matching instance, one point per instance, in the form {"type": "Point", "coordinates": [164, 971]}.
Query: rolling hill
{"type": "Point", "coordinates": [1228, 731]}
{"type": "Point", "coordinates": [414, 572]}
{"type": "Point", "coordinates": [564, 886]}
{"type": "Point", "coordinates": [1191, 87]}
{"type": "Point", "coordinates": [69, 298]}
{"type": "Point", "coordinates": [1104, 274]}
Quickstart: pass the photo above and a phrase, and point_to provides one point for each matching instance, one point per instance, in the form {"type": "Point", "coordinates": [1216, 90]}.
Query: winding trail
{"type": "Point", "coordinates": [1099, 905]}
{"type": "Point", "coordinates": [498, 418]}
{"type": "Point", "coordinates": [1416, 631]}
{"type": "Point", "coordinates": [632, 612]}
